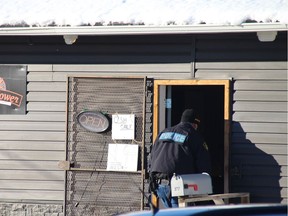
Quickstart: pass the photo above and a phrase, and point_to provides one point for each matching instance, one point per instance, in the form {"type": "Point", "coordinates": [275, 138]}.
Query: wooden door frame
{"type": "Point", "coordinates": [227, 114]}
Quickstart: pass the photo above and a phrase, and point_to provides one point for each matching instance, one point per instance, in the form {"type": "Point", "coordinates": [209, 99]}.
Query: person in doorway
{"type": "Point", "coordinates": [178, 149]}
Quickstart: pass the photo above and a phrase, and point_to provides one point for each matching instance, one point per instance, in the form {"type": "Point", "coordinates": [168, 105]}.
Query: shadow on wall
{"type": "Point", "coordinates": [253, 170]}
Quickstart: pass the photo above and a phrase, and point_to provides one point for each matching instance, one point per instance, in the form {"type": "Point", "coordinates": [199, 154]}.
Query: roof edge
{"type": "Point", "coordinates": [141, 29]}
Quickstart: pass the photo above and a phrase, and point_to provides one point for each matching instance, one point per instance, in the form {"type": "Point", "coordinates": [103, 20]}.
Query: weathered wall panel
{"type": "Point", "coordinates": [261, 95]}
{"type": "Point", "coordinates": [32, 175]}
{"type": "Point", "coordinates": [243, 65]}
{"type": "Point", "coordinates": [260, 85]}
{"type": "Point", "coordinates": [259, 112]}
{"type": "Point", "coordinates": [258, 71]}
{"type": "Point", "coordinates": [262, 127]}
{"type": "Point", "coordinates": [33, 185]}
{"type": "Point", "coordinates": [32, 155]}
{"type": "Point", "coordinates": [31, 145]}
{"type": "Point", "coordinates": [32, 126]}
{"type": "Point", "coordinates": [277, 149]}
{"type": "Point", "coordinates": [46, 96]}
{"type": "Point", "coordinates": [244, 74]}
{"type": "Point", "coordinates": [37, 164]}
{"type": "Point", "coordinates": [259, 116]}
{"type": "Point", "coordinates": [97, 50]}
{"type": "Point", "coordinates": [36, 117]}
{"type": "Point", "coordinates": [46, 87]}
{"type": "Point", "coordinates": [46, 106]}
{"type": "Point", "coordinates": [37, 195]}
{"type": "Point", "coordinates": [33, 135]}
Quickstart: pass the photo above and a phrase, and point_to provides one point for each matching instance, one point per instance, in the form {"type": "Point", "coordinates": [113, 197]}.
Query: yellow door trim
{"type": "Point", "coordinates": [227, 114]}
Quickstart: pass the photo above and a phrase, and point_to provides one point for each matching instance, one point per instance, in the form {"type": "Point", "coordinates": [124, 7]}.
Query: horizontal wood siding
{"type": "Point", "coordinates": [258, 158]}
{"type": "Point", "coordinates": [31, 145]}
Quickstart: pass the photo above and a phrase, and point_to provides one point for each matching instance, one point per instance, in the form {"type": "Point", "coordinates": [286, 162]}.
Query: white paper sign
{"type": "Point", "coordinates": [123, 126]}
{"type": "Point", "coordinates": [122, 157]}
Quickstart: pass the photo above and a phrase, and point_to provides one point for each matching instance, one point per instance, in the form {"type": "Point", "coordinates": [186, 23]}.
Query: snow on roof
{"type": "Point", "coordinates": [41, 13]}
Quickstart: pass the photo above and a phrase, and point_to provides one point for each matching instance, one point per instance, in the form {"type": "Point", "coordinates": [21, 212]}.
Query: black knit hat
{"type": "Point", "coordinates": [189, 115]}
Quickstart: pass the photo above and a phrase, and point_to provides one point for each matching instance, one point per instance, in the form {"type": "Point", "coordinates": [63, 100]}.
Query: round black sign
{"type": "Point", "coordinates": [93, 121]}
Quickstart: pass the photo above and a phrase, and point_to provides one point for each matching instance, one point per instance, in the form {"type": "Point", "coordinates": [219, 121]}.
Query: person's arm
{"type": "Point", "coordinates": [201, 154]}
{"type": "Point", "coordinates": [203, 160]}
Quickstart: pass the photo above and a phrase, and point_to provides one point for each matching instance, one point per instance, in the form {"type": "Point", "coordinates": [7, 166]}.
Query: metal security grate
{"type": "Point", "coordinates": [103, 193]}
{"type": "Point", "coordinates": [90, 189]}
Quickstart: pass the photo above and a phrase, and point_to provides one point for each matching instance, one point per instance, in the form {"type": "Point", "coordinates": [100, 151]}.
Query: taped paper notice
{"type": "Point", "coordinates": [123, 126]}
{"type": "Point", "coordinates": [122, 157]}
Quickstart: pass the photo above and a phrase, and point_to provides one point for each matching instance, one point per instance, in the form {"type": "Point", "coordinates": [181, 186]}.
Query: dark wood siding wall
{"type": "Point", "coordinates": [97, 50]}
{"type": "Point", "coordinates": [31, 145]}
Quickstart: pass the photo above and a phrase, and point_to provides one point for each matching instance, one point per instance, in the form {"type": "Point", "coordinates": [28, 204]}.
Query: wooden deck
{"type": "Point", "coordinates": [218, 199]}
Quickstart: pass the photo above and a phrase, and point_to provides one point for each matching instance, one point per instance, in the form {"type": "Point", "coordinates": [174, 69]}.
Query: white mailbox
{"type": "Point", "coordinates": [191, 184]}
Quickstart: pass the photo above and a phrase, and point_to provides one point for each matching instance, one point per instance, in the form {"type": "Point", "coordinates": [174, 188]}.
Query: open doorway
{"type": "Point", "coordinates": [210, 99]}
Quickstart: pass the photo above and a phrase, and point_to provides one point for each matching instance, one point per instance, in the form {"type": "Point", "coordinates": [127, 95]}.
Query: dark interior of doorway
{"type": "Point", "coordinates": [208, 100]}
